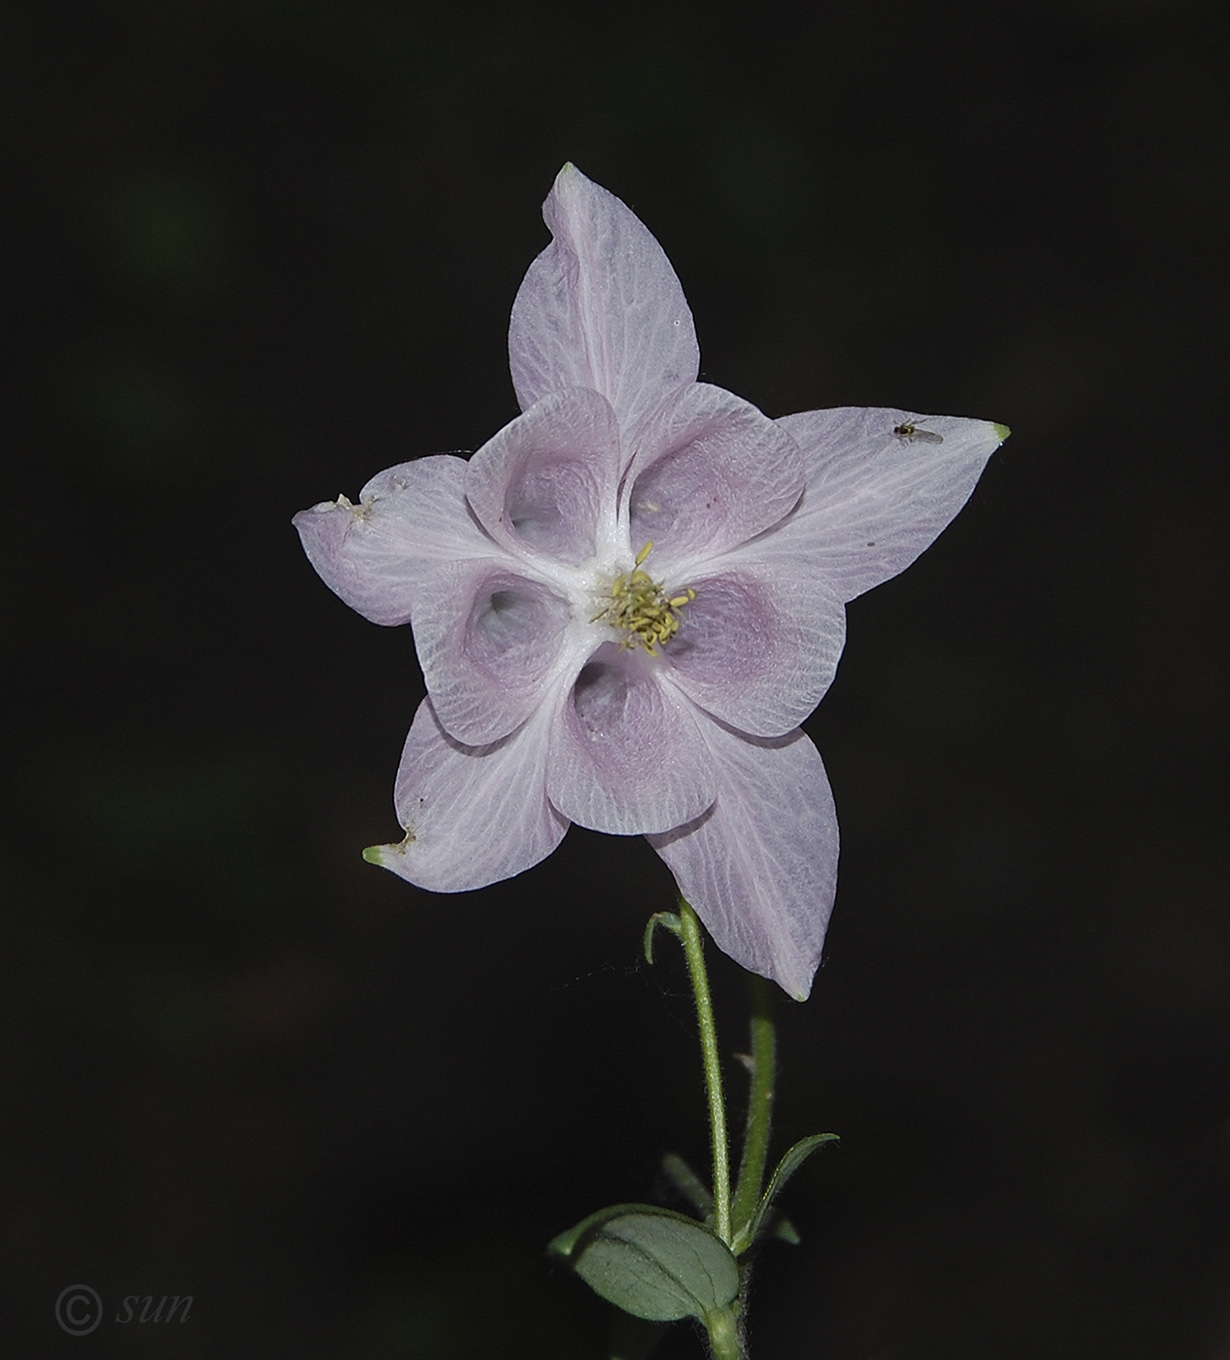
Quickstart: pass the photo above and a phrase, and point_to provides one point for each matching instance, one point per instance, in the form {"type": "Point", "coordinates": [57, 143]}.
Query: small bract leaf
{"type": "Point", "coordinates": [652, 1263]}
{"type": "Point", "coordinates": [688, 1183]}
{"type": "Point", "coordinates": [785, 1231]}
{"type": "Point", "coordinates": [667, 919]}
{"type": "Point", "coordinates": [786, 1168]}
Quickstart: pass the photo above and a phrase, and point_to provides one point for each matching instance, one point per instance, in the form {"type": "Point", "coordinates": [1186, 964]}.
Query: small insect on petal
{"type": "Point", "coordinates": [908, 432]}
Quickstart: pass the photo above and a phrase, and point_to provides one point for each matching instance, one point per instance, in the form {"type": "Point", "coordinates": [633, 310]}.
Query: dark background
{"type": "Point", "coordinates": [254, 253]}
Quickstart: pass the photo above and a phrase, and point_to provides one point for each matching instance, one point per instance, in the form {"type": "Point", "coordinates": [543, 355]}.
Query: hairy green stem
{"type": "Point", "coordinates": [724, 1338]}
{"type": "Point", "coordinates": [694, 950]}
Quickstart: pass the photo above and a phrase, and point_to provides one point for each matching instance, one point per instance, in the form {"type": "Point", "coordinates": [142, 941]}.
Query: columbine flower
{"type": "Point", "coordinates": [627, 600]}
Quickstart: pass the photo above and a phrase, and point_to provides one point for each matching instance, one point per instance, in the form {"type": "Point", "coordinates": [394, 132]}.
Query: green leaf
{"type": "Point", "coordinates": [652, 1263]}
{"type": "Point", "coordinates": [786, 1168]}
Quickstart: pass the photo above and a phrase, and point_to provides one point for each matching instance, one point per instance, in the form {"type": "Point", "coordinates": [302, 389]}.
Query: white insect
{"type": "Point", "coordinates": [908, 431]}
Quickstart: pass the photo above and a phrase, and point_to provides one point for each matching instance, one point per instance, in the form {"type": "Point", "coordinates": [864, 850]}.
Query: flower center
{"type": "Point", "coordinates": [641, 609]}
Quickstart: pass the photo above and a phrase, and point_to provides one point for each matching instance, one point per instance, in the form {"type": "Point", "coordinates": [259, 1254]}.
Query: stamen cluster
{"type": "Point", "coordinates": [641, 609]}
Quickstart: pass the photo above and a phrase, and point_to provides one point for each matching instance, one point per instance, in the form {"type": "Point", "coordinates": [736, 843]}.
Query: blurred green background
{"type": "Point", "coordinates": [256, 252]}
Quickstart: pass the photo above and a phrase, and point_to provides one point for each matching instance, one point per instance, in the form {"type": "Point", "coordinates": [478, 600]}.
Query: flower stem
{"type": "Point", "coordinates": [694, 950]}
{"type": "Point", "coordinates": [724, 1338]}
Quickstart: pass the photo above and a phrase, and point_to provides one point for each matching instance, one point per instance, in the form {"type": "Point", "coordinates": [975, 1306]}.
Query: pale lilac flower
{"type": "Point", "coordinates": [576, 674]}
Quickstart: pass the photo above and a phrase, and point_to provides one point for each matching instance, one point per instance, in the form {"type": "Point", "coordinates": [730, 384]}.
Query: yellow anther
{"type": "Point", "coordinates": [641, 610]}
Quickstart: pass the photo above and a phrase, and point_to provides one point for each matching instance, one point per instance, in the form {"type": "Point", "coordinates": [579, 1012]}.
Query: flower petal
{"type": "Point", "coordinates": [875, 499]}
{"type": "Point", "coordinates": [626, 756]}
{"type": "Point", "coordinates": [409, 517]}
{"type": "Point", "coordinates": [758, 647]}
{"type": "Point", "coordinates": [473, 814]}
{"type": "Point", "coordinates": [709, 472]}
{"type": "Point", "coordinates": [601, 307]}
{"type": "Point", "coordinates": [761, 866]}
{"type": "Point", "coordinates": [487, 639]}
{"type": "Point", "coordinates": [545, 484]}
